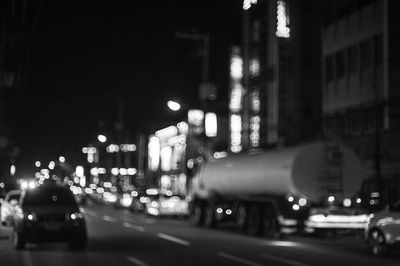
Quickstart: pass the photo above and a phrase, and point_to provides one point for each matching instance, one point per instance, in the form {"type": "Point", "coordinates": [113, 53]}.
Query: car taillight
{"type": "Point", "coordinates": [30, 216]}
{"type": "Point", "coordinates": [75, 216]}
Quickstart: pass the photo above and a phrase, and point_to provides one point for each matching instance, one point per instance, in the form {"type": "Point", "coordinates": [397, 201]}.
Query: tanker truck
{"type": "Point", "coordinates": [279, 192]}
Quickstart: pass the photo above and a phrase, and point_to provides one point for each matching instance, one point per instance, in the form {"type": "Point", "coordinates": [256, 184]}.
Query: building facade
{"type": "Point", "coordinates": [360, 94]}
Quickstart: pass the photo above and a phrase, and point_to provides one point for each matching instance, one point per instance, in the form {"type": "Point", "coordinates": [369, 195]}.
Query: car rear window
{"type": "Point", "coordinates": [14, 197]}
{"type": "Point", "coordinates": [56, 196]}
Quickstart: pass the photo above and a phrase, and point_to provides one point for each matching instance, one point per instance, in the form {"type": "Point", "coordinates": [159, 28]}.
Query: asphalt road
{"type": "Point", "coordinates": [119, 237]}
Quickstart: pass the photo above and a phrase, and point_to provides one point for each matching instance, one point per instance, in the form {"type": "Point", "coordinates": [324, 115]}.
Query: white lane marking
{"type": "Point", "coordinates": [27, 258]}
{"type": "Point", "coordinates": [173, 239]}
{"type": "Point", "coordinates": [281, 243]}
{"type": "Point", "coordinates": [136, 261]}
{"type": "Point", "coordinates": [109, 219]}
{"type": "Point", "coordinates": [237, 259]}
{"type": "Point", "coordinates": [133, 226]}
{"type": "Point", "coordinates": [282, 260]}
{"type": "Point", "coordinates": [149, 221]}
{"type": "Point", "coordinates": [91, 213]}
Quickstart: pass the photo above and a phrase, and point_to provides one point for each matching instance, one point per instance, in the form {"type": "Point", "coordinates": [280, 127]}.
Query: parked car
{"type": "Point", "coordinates": [8, 207]}
{"type": "Point", "coordinates": [383, 230]}
{"type": "Point", "coordinates": [49, 213]}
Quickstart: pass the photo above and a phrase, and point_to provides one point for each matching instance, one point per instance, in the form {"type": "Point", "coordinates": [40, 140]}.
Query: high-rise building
{"type": "Point", "coordinates": [360, 94]}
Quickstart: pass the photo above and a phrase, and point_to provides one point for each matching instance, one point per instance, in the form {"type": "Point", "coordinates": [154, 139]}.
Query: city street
{"type": "Point", "coordinates": [119, 237]}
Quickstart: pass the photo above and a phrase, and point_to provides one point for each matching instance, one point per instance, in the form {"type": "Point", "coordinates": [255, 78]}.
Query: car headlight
{"type": "Point", "coordinates": [75, 216]}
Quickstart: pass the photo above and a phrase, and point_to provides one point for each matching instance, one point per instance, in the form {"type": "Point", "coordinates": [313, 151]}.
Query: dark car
{"type": "Point", "coordinates": [49, 213]}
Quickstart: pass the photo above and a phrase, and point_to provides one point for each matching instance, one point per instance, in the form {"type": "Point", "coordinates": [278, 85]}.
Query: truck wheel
{"type": "Point", "coordinates": [270, 223]}
{"type": "Point", "coordinates": [196, 215]}
{"type": "Point", "coordinates": [378, 243]}
{"type": "Point", "coordinates": [209, 216]}
{"type": "Point", "coordinates": [254, 221]}
{"type": "Point", "coordinates": [241, 217]}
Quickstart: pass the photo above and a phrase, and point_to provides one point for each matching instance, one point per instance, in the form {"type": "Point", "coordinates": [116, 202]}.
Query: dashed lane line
{"type": "Point", "coordinates": [136, 261]}
{"type": "Point", "coordinates": [109, 219]}
{"type": "Point", "coordinates": [133, 226]}
{"type": "Point", "coordinates": [173, 239]}
{"type": "Point", "coordinates": [282, 260]}
{"type": "Point", "coordinates": [237, 259]}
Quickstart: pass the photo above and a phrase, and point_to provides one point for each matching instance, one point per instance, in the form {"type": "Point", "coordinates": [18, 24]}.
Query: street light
{"type": "Point", "coordinates": [174, 106]}
{"type": "Point", "coordinates": [61, 159]}
{"type": "Point", "coordinates": [102, 138]}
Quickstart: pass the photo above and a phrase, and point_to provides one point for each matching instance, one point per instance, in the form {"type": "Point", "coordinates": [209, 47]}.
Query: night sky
{"type": "Point", "coordinates": [86, 55]}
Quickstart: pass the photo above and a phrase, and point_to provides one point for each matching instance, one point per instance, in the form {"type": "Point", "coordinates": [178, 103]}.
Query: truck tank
{"type": "Point", "coordinates": [312, 170]}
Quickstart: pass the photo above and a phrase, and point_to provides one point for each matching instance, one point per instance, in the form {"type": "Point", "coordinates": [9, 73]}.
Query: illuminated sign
{"type": "Point", "coordinates": [236, 133]}
{"type": "Point", "coordinates": [247, 4]}
{"type": "Point", "coordinates": [282, 20]}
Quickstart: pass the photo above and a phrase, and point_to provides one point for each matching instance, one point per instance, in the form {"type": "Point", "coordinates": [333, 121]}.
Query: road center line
{"type": "Point", "coordinates": [237, 259]}
{"type": "Point", "coordinates": [136, 261]}
{"type": "Point", "coordinates": [133, 226]}
{"type": "Point", "coordinates": [109, 219]}
{"type": "Point", "coordinates": [173, 239]}
{"type": "Point", "coordinates": [282, 260]}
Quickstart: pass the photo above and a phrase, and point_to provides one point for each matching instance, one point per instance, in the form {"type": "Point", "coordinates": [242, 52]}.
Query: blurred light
{"type": "Point", "coordinates": [167, 132]}
{"type": "Point", "coordinates": [282, 20]}
{"type": "Point", "coordinates": [183, 128]}
{"type": "Point", "coordinates": [211, 125]}
{"type": "Point", "coordinates": [219, 155]}
{"type": "Point", "coordinates": [30, 217]}
{"type": "Point", "coordinates": [247, 4]}
{"type": "Point", "coordinates": [1, 185]}
{"type": "Point", "coordinates": [102, 138]}
{"type": "Point", "coordinates": [132, 171]}
{"type": "Point", "coordinates": [195, 117]}
{"type": "Point", "coordinates": [100, 190]}
{"type": "Point", "coordinates": [236, 68]}
{"type": "Point", "coordinates": [144, 199]}
{"type": "Point", "coordinates": [219, 210]}
{"type": "Point", "coordinates": [126, 200]}
{"type": "Point", "coordinates": [236, 133]}
{"type": "Point", "coordinates": [12, 170]}
{"type": "Point", "coordinates": [93, 186]}
{"type": "Point", "coordinates": [52, 164]}
{"type": "Point", "coordinates": [290, 199]}
{"type": "Point", "coordinates": [94, 171]}
{"type": "Point", "coordinates": [375, 195]}
{"type": "Point", "coordinates": [79, 171]}
{"type": "Point", "coordinates": [88, 190]}
{"type": "Point", "coordinates": [24, 184]}
{"type": "Point", "coordinates": [123, 171]}
{"type": "Point", "coordinates": [38, 164]}
{"type": "Point", "coordinates": [331, 198]}
{"type": "Point", "coordinates": [358, 200]}
{"type": "Point", "coordinates": [127, 147]}
{"type": "Point", "coordinates": [174, 106]}
{"type": "Point", "coordinates": [61, 159]}
{"type": "Point", "coordinates": [76, 179]}
{"type": "Point", "coordinates": [82, 181]}
{"type": "Point", "coordinates": [296, 207]}
{"type": "Point", "coordinates": [107, 184]}
{"type": "Point", "coordinates": [152, 191]}
{"type": "Point", "coordinates": [154, 153]}
{"type": "Point", "coordinates": [166, 155]}
{"type": "Point", "coordinates": [302, 202]}
{"type": "Point", "coordinates": [114, 171]}
{"type": "Point", "coordinates": [112, 148]}
{"type": "Point", "coordinates": [101, 170]}
{"type": "Point", "coordinates": [190, 163]}
{"type": "Point", "coordinates": [228, 211]}
{"type": "Point", "coordinates": [165, 181]}
{"type": "Point", "coordinates": [347, 202]}
{"type": "Point", "coordinates": [134, 193]}
{"type": "Point", "coordinates": [32, 185]}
